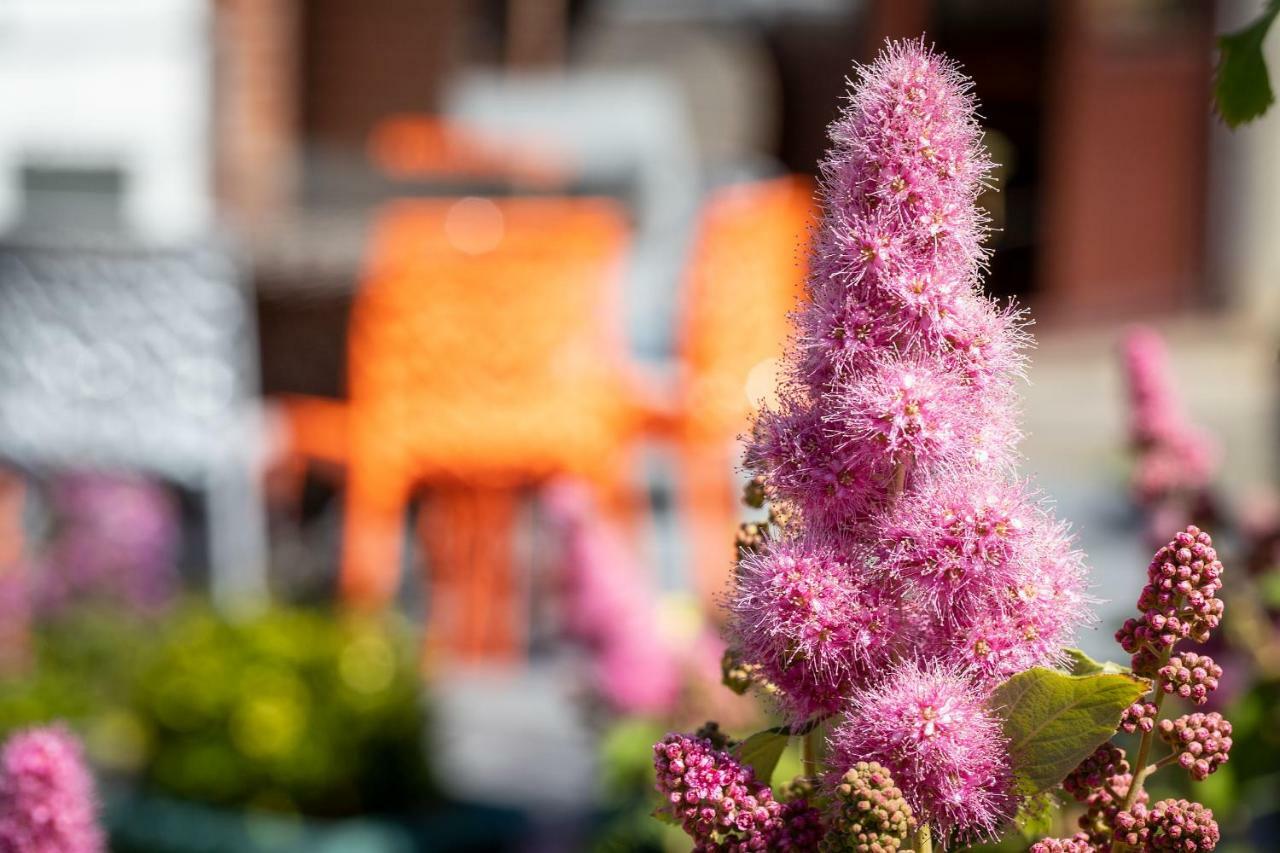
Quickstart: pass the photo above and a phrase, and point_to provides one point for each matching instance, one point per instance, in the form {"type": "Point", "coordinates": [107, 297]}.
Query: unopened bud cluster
{"type": "Point", "coordinates": [1140, 716]}
{"type": "Point", "coordinates": [1169, 825]}
{"type": "Point", "coordinates": [869, 814]}
{"type": "Point", "coordinates": [720, 804]}
{"type": "Point", "coordinates": [751, 538]}
{"type": "Point", "coordinates": [1179, 601]}
{"type": "Point", "coordinates": [1190, 676]}
{"type": "Point", "coordinates": [1106, 761]}
{"type": "Point", "coordinates": [1103, 805]}
{"type": "Point", "coordinates": [710, 793]}
{"type": "Point", "coordinates": [1202, 741]}
{"type": "Point", "coordinates": [739, 675]}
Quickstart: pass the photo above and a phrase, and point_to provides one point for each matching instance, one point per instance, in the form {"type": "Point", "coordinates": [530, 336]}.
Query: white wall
{"type": "Point", "coordinates": [110, 83]}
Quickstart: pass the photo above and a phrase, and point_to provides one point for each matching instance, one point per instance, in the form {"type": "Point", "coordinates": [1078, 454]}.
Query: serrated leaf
{"type": "Point", "coordinates": [1054, 721]}
{"type": "Point", "coordinates": [761, 752]}
{"type": "Point", "coordinates": [1079, 663]}
{"type": "Point", "coordinates": [1241, 86]}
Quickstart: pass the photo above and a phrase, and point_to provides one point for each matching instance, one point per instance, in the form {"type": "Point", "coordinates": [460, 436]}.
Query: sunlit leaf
{"type": "Point", "coordinates": [1054, 721]}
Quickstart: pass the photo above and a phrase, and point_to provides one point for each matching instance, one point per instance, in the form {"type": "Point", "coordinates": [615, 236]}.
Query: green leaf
{"type": "Point", "coordinates": [1054, 721]}
{"type": "Point", "coordinates": [761, 752]}
{"type": "Point", "coordinates": [1242, 88]}
{"type": "Point", "coordinates": [1079, 663]}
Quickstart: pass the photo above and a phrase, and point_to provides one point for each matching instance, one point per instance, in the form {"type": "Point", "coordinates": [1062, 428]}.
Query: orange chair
{"type": "Point", "coordinates": [483, 357]}
{"type": "Point", "coordinates": [746, 274]}
{"type": "Point", "coordinates": [422, 146]}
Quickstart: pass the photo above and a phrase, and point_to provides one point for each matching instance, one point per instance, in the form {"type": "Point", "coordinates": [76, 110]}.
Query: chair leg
{"type": "Point", "coordinates": [372, 536]}
{"type": "Point", "coordinates": [474, 611]}
{"type": "Point", "coordinates": [494, 599]}
{"type": "Point", "coordinates": [237, 537]}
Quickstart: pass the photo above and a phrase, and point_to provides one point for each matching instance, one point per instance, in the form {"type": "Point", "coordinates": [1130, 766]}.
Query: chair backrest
{"type": "Point", "coordinates": [123, 356]}
{"type": "Point", "coordinates": [483, 342]}
{"type": "Point", "coordinates": [746, 274]}
{"type": "Point", "coordinates": [413, 146]}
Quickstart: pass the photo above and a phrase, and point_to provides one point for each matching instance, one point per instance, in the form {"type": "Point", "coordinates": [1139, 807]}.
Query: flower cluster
{"type": "Point", "coordinates": [712, 795]}
{"type": "Point", "coordinates": [1175, 460]}
{"type": "Point", "coordinates": [1169, 825]}
{"type": "Point", "coordinates": [608, 608]}
{"type": "Point", "coordinates": [47, 802]}
{"type": "Point", "coordinates": [869, 814]}
{"type": "Point", "coordinates": [1140, 716]}
{"type": "Point", "coordinates": [719, 803]}
{"type": "Point", "coordinates": [1202, 742]}
{"type": "Point", "coordinates": [802, 828]}
{"type": "Point", "coordinates": [1179, 601]}
{"type": "Point", "coordinates": [1104, 804]}
{"type": "Point", "coordinates": [913, 572]}
{"type": "Point", "coordinates": [1106, 761]}
{"type": "Point", "coordinates": [116, 538]}
{"type": "Point", "coordinates": [814, 625]}
{"type": "Point", "coordinates": [1190, 676]}
{"type": "Point", "coordinates": [994, 574]}
{"type": "Point", "coordinates": [930, 727]}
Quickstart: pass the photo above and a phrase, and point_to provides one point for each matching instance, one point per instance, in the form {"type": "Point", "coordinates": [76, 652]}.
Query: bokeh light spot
{"type": "Point", "coordinates": [474, 225]}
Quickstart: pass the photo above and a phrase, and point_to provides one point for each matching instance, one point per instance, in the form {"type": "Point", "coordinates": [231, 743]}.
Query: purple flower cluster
{"type": "Point", "coordinates": [1190, 676]}
{"type": "Point", "coordinates": [115, 538]}
{"type": "Point", "coordinates": [806, 619]}
{"type": "Point", "coordinates": [1179, 601]}
{"type": "Point", "coordinates": [712, 795]}
{"type": "Point", "coordinates": [1202, 742]}
{"type": "Point", "coordinates": [609, 609]}
{"type": "Point", "coordinates": [719, 803]}
{"type": "Point", "coordinates": [1106, 761]}
{"type": "Point", "coordinates": [47, 802]}
{"type": "Point", "coordinates": [1169, 825]}
{"type": "Point", "coordinates": [1175, 460]}
{"type": "Point", "coordinates": [930, 727]}
{"type": "Point", "coordinates": [918, 572]}
{"type": "Point", "coordinates": [995, 575]}
{"type": "Point", "coordinates": [1104, 804]}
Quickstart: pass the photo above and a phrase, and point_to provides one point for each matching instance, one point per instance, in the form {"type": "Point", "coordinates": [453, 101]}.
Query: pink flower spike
{"type": "Point", "coordinates": [47, 802]}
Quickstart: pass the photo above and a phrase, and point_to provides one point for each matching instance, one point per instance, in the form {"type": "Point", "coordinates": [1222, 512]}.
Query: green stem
{"type": "Point", "coordinates": [810, 752]}
{"type": "Point", "coordinates": [1144, 748]}
{"type": "Point", "coordinates": [923, 841]}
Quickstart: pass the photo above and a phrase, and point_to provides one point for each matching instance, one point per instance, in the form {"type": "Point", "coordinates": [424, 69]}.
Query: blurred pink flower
{"type": "Point", "coordinates": [47, 802]}
{"type": "Point", "coordinates": [609, 607]}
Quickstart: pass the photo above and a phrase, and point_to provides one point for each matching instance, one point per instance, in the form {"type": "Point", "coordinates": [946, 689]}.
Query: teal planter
{"type": "Point", "coordinates": [141, 822]}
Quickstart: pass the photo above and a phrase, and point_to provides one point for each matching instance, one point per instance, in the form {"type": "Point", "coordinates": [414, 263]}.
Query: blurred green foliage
{"type": "Point", "coordinates": [1242, 86]}
{"type": "Point", "coordinates": [290, 711]}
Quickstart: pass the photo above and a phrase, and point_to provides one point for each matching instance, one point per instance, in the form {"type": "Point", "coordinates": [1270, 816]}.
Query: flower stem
{"type": "Point", "coordinates": [1144, 748]}
{"type": "Point", "coordinates": [810, 753]}
{"type": "Point", "coordinates": [923, 841]}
